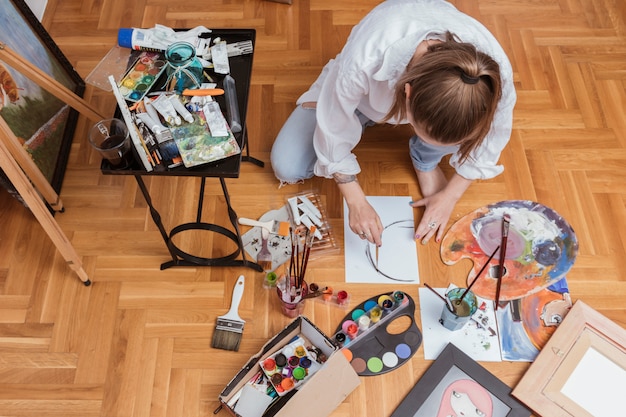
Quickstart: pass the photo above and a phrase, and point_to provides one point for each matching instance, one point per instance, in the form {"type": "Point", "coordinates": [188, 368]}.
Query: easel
{"type": "Point", "coordinates": [26, 176]}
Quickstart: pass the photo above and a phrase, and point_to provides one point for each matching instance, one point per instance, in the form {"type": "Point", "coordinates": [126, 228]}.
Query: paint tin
{"type": "Point", "coordinates": [294, 361]}
{"type": "Point", "coordinates": [305, 362]}
{"type": "Point", "coordinates": [276, 379]}
{"type": "Point", "coordinates": [459, 312]}
{"type": "Point", "coordinates": [364, 322]}
{"type": "Point", "coordinates": [269, 365]}
{"type": "Point", "coordinates": [327, 294]}
{"type": "Point", "coordinates": [298, 373]}
{"type": "Point", "coordinates": [375, 314]}
{"type": "Point", "coordinates": [281, 360]}
{"type": "Point", "coordinates": [343, 298]}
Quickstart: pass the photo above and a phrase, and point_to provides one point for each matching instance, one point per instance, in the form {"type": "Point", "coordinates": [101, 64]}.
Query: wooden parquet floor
{"type": "Point", "coordinates": [136, 342]}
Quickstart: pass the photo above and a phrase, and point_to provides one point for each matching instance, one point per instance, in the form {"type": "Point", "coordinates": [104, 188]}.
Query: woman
{"type": "Point", "coordinates": [417, 62]}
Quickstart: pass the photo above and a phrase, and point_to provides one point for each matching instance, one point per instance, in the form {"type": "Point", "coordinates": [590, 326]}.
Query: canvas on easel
{"type": "Point", "coordinates": [42, 123]}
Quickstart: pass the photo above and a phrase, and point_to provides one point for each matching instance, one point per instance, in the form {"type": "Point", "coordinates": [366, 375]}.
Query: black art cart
{"type": "Point", "coordinates": [240, 70]}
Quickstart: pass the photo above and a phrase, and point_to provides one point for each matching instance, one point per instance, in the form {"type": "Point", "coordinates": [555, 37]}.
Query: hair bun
{"type": "Point", "coordinates": [468, 79]}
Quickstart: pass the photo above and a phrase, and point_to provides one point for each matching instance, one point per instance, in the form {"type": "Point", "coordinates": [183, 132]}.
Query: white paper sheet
{"type": "Point", "coordinates": [597, 385]}
{"type": "Point", "coordinates": [397, 257]}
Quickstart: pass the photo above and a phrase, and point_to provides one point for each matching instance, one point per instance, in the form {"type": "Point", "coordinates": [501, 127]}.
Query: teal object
{"type": "Point", "coordinates": [183, 66]}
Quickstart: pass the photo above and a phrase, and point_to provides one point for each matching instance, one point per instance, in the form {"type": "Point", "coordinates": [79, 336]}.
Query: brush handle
{"type": "Point", "coordinates": [251, 222]}
{"type": "Point", "coordinates": [233, 313]}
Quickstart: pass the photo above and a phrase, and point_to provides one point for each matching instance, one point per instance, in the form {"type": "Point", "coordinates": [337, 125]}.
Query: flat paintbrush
{"type": "Point", "coordinates": [264, 257]}
{"type": "Point", "coordinates": [229, 327]}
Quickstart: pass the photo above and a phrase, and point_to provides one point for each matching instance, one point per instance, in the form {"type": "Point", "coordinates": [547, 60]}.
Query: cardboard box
{"type": "Point", "coordinates": [332, 381]}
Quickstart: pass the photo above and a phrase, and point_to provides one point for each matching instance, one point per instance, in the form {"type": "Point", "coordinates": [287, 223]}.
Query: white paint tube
{"type": "Point", "coordinates": [153, 125]}
{"type": "Point", "coordinates": [180, 108]}
{"type": "Point", "coordinates": [167, 110]}
{"type": "Point", "coordinates": [160, 37]}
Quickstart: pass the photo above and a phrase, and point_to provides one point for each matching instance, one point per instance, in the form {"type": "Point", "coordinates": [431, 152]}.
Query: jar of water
{"type": "Point", "coordinates": [184, 69]}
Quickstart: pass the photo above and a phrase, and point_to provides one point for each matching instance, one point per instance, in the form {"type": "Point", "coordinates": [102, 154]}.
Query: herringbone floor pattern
{"type": "Point", "coordinates": [136, 342]}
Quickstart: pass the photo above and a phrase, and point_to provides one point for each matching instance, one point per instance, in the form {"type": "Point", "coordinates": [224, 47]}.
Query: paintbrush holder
{"type": "Point", "coordinates": [459, 309]}
{"type": "Point", "coordinates": [291, 297]}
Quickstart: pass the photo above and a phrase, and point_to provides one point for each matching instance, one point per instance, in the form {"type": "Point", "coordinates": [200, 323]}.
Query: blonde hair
{"type": "Point", "coordinates": [455, 90]}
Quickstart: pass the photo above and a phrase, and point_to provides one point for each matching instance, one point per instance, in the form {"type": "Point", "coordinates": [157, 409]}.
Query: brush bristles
{"type": "Point", "coordinates": [227, 334]}
{"type": "Point", "coordinates": [226, 339]}
{"type": "Point", "coordinates": [265, 265]}
{"type": "Point", "coordinates": [283, 229]}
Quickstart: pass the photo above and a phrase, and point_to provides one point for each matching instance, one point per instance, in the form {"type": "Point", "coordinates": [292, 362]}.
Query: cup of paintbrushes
{"type": "Point", "coordinates": [459, 308]}
{"type": "Point", "coordinates": [292, 294]}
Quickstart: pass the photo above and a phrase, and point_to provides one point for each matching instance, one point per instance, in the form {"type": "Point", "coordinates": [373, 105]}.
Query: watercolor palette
{"type": "Point", "coordinates": [365, 340]}
{"type": "Point", "coordinates": [142, 75]}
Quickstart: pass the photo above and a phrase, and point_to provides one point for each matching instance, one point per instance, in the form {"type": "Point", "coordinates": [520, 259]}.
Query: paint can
{"type": "Point", "coordinates": [457, 312]}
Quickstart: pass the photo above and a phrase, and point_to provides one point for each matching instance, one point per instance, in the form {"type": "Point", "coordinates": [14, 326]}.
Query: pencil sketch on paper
{"type": "Point", "coordinates": [397, 257]}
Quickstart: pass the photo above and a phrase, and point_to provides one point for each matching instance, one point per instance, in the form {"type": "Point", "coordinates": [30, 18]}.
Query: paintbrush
{"type": "Point", "coordinates": [264, 257]}
{"type": "Point", "coordinates": [275, 227]}
{"type": "Point", "coordinates": [229, 327]}
{"type": "Point", "coordinates": [478, 275]}
{"type": "Point", "coordinates": [505, 235]}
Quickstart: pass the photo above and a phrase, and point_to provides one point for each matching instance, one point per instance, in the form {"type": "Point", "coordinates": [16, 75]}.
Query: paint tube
{"type": "Point", "coordinates": [180, 108]}
{"type": "Point", "coordinates": [153, 125]}
{"type": "Point", "coordinates": [151, 110]}
{"type": "Point", "coordinates": [167, 110]}
{"type": "Point", "coordinates": [160, 37]}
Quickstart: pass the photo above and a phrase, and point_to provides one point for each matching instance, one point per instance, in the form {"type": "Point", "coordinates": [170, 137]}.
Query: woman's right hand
{"type": "Point", "coordinates": [362, 217]}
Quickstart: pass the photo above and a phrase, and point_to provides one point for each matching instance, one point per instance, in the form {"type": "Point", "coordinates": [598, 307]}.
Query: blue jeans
{"type": "Point", "coordinates": [293, 156]}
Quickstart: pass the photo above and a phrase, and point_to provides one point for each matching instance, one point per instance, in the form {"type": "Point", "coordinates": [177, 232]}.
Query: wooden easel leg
{"type": "Point", "coordinates": [36, 205]}
{"type": "Point", "coordinates": [24, 160]}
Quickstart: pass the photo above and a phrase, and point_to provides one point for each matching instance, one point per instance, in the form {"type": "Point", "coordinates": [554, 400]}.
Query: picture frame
{"type": "Point", "coordinates": [43, 124]}
{"type": "Point", "coordinates": [564, 380]}
{"type": "Point", "coordinates": [455, 380]}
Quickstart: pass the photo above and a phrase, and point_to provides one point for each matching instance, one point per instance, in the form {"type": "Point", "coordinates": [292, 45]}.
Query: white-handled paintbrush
{"type": "Point", "coordinates": [229, 327]}
{"type": "Point", "coordinates": [273, 226]}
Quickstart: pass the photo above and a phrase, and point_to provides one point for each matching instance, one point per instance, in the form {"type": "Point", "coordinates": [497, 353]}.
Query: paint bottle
{"type": "Point", "coordinates": [269, 365]}
{"type": "Point", "coordinates": [281, 360]}
{"type": "Point", "coordinates": [340, 338]}
{"type": "Point", "coordinates": [343, 298]}
{"type": "Point", "coordinates": [375, 314]}
{"type": "Point", "coordinates": [299, 373]}
{"type": "Point", "coordinates": [364, 322]}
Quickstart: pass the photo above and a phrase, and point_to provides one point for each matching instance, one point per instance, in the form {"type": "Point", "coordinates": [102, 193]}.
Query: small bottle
{"type": "Point", "coordinates": [183, 67]}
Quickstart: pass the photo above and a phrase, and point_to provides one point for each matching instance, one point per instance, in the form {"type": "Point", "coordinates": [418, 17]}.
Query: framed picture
{"type": "Point", "coordinates": [581, 371]}
{"type": "Point", "coordinates": [43, 124]}
{"type": "Point", "coordinates": [455, 385]}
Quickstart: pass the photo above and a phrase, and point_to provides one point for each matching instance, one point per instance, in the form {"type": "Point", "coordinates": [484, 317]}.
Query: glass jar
{"type": "Point", "coordinates": [184, 70]}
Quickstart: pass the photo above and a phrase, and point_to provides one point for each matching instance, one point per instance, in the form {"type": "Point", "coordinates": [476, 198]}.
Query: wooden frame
{"type": "Point", "coordinates": [455, 374]}
{"type": "Point", "coordinates": [43, 123]}
{"type": "Point", "coordinates": [561, 381]}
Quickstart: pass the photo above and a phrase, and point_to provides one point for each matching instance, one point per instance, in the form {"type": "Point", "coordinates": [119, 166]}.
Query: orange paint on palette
{"type": "Point", "coordinates": [347, 353]}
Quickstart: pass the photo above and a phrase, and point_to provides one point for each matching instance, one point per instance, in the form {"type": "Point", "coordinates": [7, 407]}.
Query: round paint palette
{"type": "Point", "coordinates": [541, 248]}
{"type": "Point", "coordinates": [365, 340]}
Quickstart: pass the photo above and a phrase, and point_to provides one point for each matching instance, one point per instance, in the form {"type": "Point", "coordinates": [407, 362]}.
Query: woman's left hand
{"type": "Point", "coordinates": [438, 209]}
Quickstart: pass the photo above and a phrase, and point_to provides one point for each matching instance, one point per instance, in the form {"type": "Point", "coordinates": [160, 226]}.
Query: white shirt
{"type": "Point", "coordinates": [363, 75]}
